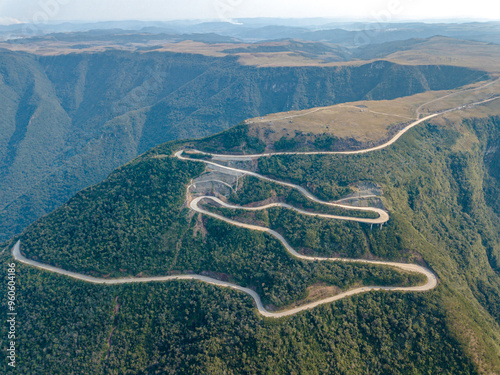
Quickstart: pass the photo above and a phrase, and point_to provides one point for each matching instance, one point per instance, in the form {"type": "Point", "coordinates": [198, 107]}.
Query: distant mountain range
{"type": "Point", "coordinates": [255, 30]}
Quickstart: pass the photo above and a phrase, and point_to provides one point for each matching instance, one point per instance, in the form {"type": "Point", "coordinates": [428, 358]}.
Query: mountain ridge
{"type": "Point", "coordinates": [409, 199]}
{"type": "Point", "coordinates": [89, 123]}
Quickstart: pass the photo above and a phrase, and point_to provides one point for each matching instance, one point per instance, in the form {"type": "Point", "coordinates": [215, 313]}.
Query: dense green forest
{"type": "Point", "coordinates": [128, 224]}
{"type": "Point", "coordinates": [253, 190]}
{"type": "Point", "coordinates": [134, 223]}
{"type": "Point", "coordinates": [439, 184]}
{"type": "Point", "coordinates": [71, 327]}
{"type": "Point", "coordinates": [412, 172]}
{"type": "Point", "coordinates": [89, 124]}
{"type": "Point", "coordinates": [325, 237]}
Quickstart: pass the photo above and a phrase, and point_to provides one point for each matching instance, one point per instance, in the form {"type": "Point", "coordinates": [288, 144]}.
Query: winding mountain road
{"type": "Point", "coordinates": [383, 217]}
{"type": "Point", "coordinates": [355, 152]}
{"type": "Point", "coordinates": [431, 278]}
{"type": "Point", "coordinates": [364, 151]}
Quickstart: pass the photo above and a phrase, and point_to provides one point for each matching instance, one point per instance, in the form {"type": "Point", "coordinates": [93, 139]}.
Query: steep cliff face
{"type": "Point", "coordinates": [67, 121]}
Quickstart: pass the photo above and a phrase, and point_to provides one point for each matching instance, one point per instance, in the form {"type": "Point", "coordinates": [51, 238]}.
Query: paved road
{"type": "Point", "coordinates": [364, 151]}
{"type": "Point", "coordinates": [194, 205]}
{"type": "Point", "coordinates": [430, 276]}
{"type": "Point", "coordinates": [456, 93]}
{"type": "Point", "coordinates": [431, 279]}
{"type": "Point", "coordinates": [383, 215]}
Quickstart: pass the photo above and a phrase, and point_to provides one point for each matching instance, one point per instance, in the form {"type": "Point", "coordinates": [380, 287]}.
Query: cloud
{"type": "Point", "coordinates": [8, 21]}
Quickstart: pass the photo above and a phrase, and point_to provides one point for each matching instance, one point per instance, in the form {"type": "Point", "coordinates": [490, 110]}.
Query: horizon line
{"type": "Point", "coordinates": [218, 20]}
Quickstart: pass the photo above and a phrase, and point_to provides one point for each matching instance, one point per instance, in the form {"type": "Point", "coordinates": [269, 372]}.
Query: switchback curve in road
{"type": "Point", "coordinates": [383, 215]}
{"type": "Point", "coordinates": [431, 280]}
{"type": "Point", "coordinates": [380, 220]}
{"type": "Point", "coordinates": [430, 276]}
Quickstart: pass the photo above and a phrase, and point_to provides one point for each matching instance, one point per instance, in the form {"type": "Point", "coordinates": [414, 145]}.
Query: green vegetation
{"type": "Point", "coordinates": [301, 141]}
{"type": "Point", "coordinates": [438, 182]}
{"type": "Point", "coordinates": [325, 237]}
{"type": "Point", "coordinates": [134, 224]}
{"type": "Point", "coordinates": [130, 223]}
{"type": "Point", "coordinates": [488, 133]}
{"type": "Point", "coordinates": [67, 120]}
{"type": "Point", "coordinates": [89, 113]}
{"type": "Point", "coordinates": [253, 189]}
{"type": "Point", "coordinates": [194, 328]}
{"type": "Point", "coordinates": [259, 261]}
{"type": "Point", "coordinates": [235, 140]}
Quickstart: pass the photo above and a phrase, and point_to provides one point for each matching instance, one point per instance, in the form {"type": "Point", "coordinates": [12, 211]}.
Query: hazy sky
{"type": "Point", "coordinates": [375, 10]}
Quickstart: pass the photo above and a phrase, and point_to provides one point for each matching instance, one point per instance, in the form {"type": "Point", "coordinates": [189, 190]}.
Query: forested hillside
{"type": "Point", "coordinates": [68, 120]}
{"type": "Point", "coordinates": [195, 328]}
{"type": "Point", "coordinates": [440, 184]}
{"type": "Point", "coordinates": [135, 223]}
